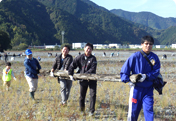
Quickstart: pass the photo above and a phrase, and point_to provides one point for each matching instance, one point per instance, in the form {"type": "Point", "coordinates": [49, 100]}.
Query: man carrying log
{"type": "Point", "coordinates": [141, 92]}
{"type": "Point", "coordinates": [62, 62]}
{"type": "Point", "coordinates": [86, 63]}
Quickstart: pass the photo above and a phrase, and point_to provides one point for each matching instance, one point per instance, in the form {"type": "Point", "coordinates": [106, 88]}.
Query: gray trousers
{"type": "Point", "coordinates": [65, 87]}
{"type": "Point", "coordinates": [33, 84]}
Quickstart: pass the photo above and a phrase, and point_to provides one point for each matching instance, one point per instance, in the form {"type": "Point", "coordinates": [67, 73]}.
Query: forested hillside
{"type": "Point", "coordinates": [26, 21]}
{"type": "Point", "coordinates": [32, 23]}
{"type": "Point", "coordinates": [38, 22]}
{"type": "Point", "coordinates": [146, 18]}
{"type": "Point", "coordinates": [163, 29]}
{"type": "Point", "coordinates": [168, 36]}
{"type": "Point", "coordinates": [122, 30]}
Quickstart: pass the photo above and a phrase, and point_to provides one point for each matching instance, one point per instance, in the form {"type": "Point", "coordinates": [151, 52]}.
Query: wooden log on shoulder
{"type": "Point", "coordinates": [96, 77]}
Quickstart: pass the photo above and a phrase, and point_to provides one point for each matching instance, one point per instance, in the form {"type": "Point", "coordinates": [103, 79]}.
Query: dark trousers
{"type": "Point", "coordinates": [83, 89]}
{"type": "Point", "coordinates": [6, 59]}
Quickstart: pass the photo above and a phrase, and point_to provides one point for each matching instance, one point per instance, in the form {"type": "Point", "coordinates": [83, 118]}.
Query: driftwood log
{"type": "Point", "coordinates": [97, 77]}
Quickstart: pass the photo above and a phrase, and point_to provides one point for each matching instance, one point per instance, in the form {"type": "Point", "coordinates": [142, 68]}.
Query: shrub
{"type": "Point", "coordinates": [22, 46]}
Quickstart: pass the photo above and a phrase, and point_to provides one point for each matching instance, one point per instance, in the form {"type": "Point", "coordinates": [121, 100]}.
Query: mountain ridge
{"type": "Point", "coordinates": [36, 22]}
{"type": "Point", "coordinates": [146, 18]}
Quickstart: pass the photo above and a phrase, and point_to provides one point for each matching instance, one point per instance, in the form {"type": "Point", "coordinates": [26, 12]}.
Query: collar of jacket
{"type": "Point", "coordinates": [60, 56]}
{"type": "Point", "coordinates": [87, 56]}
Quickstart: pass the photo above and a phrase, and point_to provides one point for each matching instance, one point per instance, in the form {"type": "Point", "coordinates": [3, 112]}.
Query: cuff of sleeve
{"type": "Point", "coordinates": [146, 76]}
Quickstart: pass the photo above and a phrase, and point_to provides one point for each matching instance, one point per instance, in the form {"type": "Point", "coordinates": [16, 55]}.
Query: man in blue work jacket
{"type": "Point", "coordinates": [141, 92]}
{"type": "Point", "coordinates": [32, 68]}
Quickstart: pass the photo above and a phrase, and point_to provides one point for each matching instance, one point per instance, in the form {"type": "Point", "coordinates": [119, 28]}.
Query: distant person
{"type": "Point", "coordinates": [112, 54]}
{"type": "Point", "coordinates": [117, 54]}
{"type": "Point", "coordinates": [32, 68]}
{"type": "Point", "coordinates": [141, 92]}
{"type": "Point", "coordinates": [23, 54]}
{"type": "Point", "coordinates": [6, 57]}
{"type": "Point", "coordinates": [86, 63]}
{"type": "Point", "coordinates": [13, 57]}
{"type": "Point", "coordinates": [104, 54]}
{"type": "Point", "coordinates": [56, 55]}
{"type": "Point", "coordinates": [173, 54]}
{"type": "Point", "coordinates": [164, 56]}
{"type": "Point", "coordinates": [6, 77]}
{"type": "Point", "coordinates": [49, 54]}
{"type": "Point", "coordinates": [79, 53]}
{"type": "Point", "coordinates": [62, 62]}
{"type": "Point", "coordinates": [39, 59]}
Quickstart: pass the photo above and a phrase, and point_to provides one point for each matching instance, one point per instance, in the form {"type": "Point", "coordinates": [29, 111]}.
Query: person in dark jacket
{"type": "Point", "coordinates": [86, 63]}
{"type": "Point", "coordinates": [6, 57]}
{"type": "Point", "coordinates": [32, 68]}
{"type": "Point", "coordinates": [62, 62]}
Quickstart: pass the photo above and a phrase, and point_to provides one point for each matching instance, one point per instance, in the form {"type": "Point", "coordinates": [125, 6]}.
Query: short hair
{"type": "Point", "coordinates": [147, 38]}
{"type": "Point", "coordinates": [67, 46]}
{"type": "Point", "coordinates": [8, 64]}
{"type": "Point", "coordinates": [90, 45]}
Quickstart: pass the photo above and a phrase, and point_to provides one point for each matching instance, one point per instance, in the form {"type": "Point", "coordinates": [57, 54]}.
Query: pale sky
{"type": "Point", "coordinates": [163, 8]}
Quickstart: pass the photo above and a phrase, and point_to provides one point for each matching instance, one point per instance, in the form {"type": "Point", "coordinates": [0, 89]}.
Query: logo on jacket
{"type": "Point", "coordinates": [134, 100]}
{"type": "Point", "coordinates": [153, 62]}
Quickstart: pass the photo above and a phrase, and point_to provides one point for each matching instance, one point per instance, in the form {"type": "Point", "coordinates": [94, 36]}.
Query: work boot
{"type": "Point", "coordinates": [91, 114]}
{"type": "Point", "coordinates": [82, 109]}
{"type": "Point", "coordinates": [63, 104]}
{"type": "Point", "coordinates": [82, 113]}
{"type": "Point", "coordinates": [32, 95]}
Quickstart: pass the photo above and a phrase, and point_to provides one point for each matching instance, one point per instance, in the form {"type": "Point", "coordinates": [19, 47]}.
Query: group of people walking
{"type": "Point", "coordinates": [141, 92]}
{"type": "Point", "coordinates": [86, 63]}
{"type": "Point", "coordinates": [5, 57]}
{"type": "Point", "coordinates": [111, 55]}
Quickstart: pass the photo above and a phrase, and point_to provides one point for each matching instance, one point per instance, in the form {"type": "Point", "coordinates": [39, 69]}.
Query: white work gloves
{"type": "Point", "coordinates": [134, 78]}
{"type": "Point", "coordinates": [51, 74]}
{"type": "Point", "coordinates": [14, 78]}
{"type": "Point", "coordinates": [71, 78]}
{"type": "Point", "coordinates": [131, 84]}
{"type": "Point", "coordinates": [142, 78]}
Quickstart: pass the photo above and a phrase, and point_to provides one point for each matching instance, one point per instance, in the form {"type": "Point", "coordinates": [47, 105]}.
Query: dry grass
{"type": "Point", "coordinates": [111, 104]}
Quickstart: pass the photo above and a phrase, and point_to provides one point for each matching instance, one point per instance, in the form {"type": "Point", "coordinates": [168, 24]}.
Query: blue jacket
{"type": "Point", "coordinates": [31, 67]}
{"type": "Point", "coordinates": [136, 64]}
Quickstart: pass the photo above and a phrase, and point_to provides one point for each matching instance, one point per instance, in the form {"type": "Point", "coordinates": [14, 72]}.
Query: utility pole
{"type": "Point", "coordinates": [62, 36]}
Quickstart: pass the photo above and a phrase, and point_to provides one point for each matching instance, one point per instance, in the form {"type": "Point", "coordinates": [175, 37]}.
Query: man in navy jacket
{"type": "Point", "coordinates": [32, 68]}
{"type": "Point", "coordinates": [141, 92]}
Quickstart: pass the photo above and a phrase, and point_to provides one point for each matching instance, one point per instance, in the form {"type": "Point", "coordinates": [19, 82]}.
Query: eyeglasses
{"type": "Point", "coordinates": [148, 43]}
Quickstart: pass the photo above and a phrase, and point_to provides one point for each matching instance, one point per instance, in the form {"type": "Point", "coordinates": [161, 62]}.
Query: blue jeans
{"type": "Point", "coordinates": [65, 86]}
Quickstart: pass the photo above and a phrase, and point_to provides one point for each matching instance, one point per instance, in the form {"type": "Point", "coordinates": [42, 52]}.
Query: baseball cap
{"type": "Point", "coordinates": [28, 52]}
